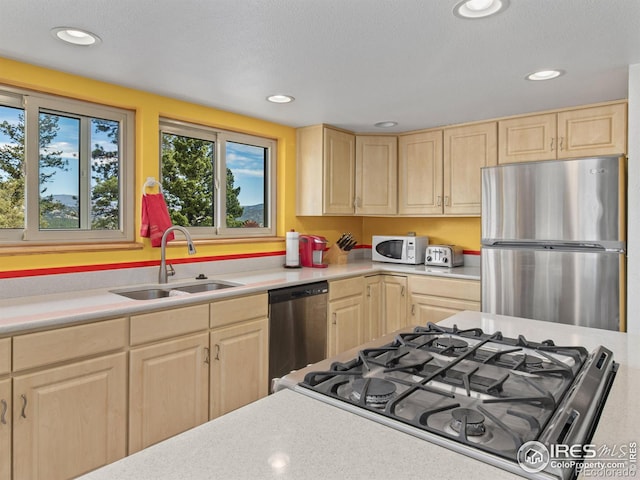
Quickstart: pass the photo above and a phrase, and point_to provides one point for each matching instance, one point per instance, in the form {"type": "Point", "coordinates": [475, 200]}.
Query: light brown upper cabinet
{"type": "Point", "coordinates": [420, 173]}
{"type": "Point", "coordinates": [325, 171]}
{"type": "Point", "coordinates": [599, 130]}
{"type": "Point", "coordinates": [439, 170]}
{"type": "Point", "coordinates": [376, 175]}
{"type": "Point", "coordinates": [467, 149]}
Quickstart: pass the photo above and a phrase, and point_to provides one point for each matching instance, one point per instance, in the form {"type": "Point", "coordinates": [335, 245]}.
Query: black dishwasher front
{"type": "Point", "coordinates": [297, 327]}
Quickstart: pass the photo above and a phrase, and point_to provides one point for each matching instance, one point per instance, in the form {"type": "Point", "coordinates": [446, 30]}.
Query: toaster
{"type": "Point", "coordinates": [444, 256]}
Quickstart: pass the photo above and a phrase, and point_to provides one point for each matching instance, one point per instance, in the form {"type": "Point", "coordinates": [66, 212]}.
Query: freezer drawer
{"type": "Point", "coordinates": [575, 287]}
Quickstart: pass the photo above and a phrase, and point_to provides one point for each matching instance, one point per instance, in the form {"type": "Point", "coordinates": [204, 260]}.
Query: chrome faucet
{"type": "Point", "coordinates": [162, 275]}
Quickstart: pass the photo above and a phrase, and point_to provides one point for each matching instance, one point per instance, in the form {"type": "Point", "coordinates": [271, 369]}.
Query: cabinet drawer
{"type": "Point", "coordinates": [348, 287]}
{"type": "Point", "coordinates": [44, 348]}
{"type": "Point", "coordinates": [150, 327]}
{"type": "Point", "coordinates": [227, 312]}
{"type": "Point", "coordinates": [445, 287]}
{"type": "Point", "coordinates": [5, 356]}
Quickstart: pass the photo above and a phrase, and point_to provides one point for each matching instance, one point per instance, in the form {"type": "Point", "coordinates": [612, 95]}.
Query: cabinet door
{"type": "Point", "coordinates": [426, 308]}
{"type": "Point", "coordinates": [372, 307]}
{"type": "Point", "coordinates": [395, 302]}
{"type": "Point", "coordinates": [466, 150]}
{"type": "Point", "coordinates": [169, 389]}
{"type": "Point", "coordinates": [339, 172]}
{"type": "Point", "coordinates": [239, 366]}
{"type": "Point", "coordinates": [346, 324]}
{"type": "Point", "coordinates": [527, 139]}
{"type": "Point", "coordinates": [5, 429]}
{"type": "Point", "coordinates": [69, 420]}
{"type": "Point", "coordinates": [592, 131]}
{"type": "Point", "coordinates": [376, 175]}
{"type": "Point", "coordinates": [420, 173]}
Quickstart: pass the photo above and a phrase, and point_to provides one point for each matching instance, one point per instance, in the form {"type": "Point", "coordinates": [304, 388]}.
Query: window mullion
{"type": "Point", "coordinates": [31, 168]}
{"type": "Point", "coordinates": [84, 171]}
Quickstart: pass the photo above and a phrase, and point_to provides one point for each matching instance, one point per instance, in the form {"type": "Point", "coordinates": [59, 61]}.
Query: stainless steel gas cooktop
{"type": "Point", "coordinates": [500, 400]}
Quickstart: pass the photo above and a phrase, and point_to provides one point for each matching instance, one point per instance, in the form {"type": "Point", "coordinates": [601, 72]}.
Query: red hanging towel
{"type": "Point", "coordinates": [155, 218]}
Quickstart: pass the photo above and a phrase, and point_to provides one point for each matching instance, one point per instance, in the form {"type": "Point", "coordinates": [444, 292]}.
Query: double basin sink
{"type": "Point", "coordinates": [163, 291]}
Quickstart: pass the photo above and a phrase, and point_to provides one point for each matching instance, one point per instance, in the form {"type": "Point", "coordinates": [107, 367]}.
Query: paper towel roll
{"type": "Point", "coordinates": [293, 253]}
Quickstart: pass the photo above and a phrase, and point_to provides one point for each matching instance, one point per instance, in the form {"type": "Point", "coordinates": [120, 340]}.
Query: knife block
{"type": "Point", "coordinates": [336, 256]}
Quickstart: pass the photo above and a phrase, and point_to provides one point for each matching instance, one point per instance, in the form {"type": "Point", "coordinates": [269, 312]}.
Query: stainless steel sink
{"type": "Point", "coordinates": [152, 293]}
{"type": "Point", "coordinates": [204, 287]}
{"type": "Point", "coordinates": [144, 294]}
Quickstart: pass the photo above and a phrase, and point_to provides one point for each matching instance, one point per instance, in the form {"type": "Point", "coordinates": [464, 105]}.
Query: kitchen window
{"type": "Point", "coordinates": [218, 183]}
{"type": "Point", "coordinates": [66, 171]}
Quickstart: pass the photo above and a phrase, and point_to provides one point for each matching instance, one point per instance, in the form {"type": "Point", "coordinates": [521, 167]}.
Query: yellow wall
{"type": "Point", "coordinates": [149, 108]}
{"type": "Point", "coordinates": [463, 231]}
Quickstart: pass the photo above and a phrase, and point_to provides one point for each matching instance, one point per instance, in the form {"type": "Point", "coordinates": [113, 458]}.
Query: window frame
{"type": "Point", "coordinates": [32, 105]}
{"type": "Point", "coordinates": [220, 138]}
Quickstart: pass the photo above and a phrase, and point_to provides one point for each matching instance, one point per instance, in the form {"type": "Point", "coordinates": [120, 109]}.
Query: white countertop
{"type": "Point", "coordinates": [46, 311]}
{"type": "Point", "coordinates": [290, 436]}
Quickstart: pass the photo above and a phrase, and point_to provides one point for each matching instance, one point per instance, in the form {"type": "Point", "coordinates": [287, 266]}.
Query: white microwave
{"type": "Point", "coordinates": [399, 249]}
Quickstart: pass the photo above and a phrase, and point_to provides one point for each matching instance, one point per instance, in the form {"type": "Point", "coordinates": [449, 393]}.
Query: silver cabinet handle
{"type": "Point", "coordinates": [368, 290]}
{"type": "Point", "coordinates": [217, 352]}
{"type": "Point", "coordinates": [402, 291]}
{"type": "Point", "coordinates": [446, 200]}
{"type": "Point", "coordinates": [413, 309]}
{"type": "Point", "coordinates": [23, 412]}
{"type": "Point", "coordinates": [552, 148]}
{"type": "Point", "coordinates": [439, 201]}
{"type": "Point", "coordinates": [334, 317]}
{"type": "Point", "coordinates": [561, 142]}
{"type": "Point", "coordinates": [206, 355]}
{"type": "Point", "coordinates": [3, 414]}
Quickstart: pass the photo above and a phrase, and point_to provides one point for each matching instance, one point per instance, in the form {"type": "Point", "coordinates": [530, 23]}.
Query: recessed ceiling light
{"type": "Point", "coordinates": [280, 98]}
{"type": "Point", "coordinates": [479, 8]}
{"type": "Point", "coordinates": [544, 75]}
{"type": "Point", "coordinates": [75, 36]}
{"type": "Point", "coordinates": [385, 124]}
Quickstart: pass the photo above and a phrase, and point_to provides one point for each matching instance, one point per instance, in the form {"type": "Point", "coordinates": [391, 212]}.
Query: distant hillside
{"type": "Point", "coordinates": [67, 200]}
{"type": "Point", "coordinates": [253, 212]}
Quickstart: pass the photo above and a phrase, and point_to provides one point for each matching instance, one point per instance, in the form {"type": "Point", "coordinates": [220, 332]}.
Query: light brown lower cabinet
{"type": "Point", "coordinates": [394, 303]}
{"type": "Point", "coordinates": [239, 365]}
{"type": "Point", "coordinates": [169, 389]}
{"type": "Point", "coordinates": [5, 429]}
{"type": "Point", "coordinates": [70, 419]}
{"type": "Point", "coordinates": [435, 298]}
{"type": "Point", "coordinates": [346, 321]}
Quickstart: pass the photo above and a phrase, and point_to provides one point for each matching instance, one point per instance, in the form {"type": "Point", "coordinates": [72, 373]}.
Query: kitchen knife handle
{"type": "Point", "coordinates": [23, 412]}
{"type": "Point", "coordinates": [3, 415]}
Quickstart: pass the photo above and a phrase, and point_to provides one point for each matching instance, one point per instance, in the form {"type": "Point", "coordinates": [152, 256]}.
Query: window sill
{"type": "Point", "coordinates": [231, 240]}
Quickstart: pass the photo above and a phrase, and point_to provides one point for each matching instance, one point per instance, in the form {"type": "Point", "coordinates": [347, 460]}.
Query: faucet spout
{"type": "Point", "coordinates": [191, 249]}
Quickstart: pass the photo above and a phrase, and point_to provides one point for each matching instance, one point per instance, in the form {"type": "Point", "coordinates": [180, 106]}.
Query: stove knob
{"type": "Point", "coordinates": [429, 258]}
{"type": "Point", "coordinates": [445, 259]}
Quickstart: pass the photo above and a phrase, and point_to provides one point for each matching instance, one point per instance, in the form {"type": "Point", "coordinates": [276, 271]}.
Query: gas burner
{"type": "Point", "coordinates": [475, 421]}
{"type": "Point", "coordinates": [448, 342]}
{"type": "Point", "coordinates": [530, 361]}
{"type": "Point", "coordinates": [379, 391]}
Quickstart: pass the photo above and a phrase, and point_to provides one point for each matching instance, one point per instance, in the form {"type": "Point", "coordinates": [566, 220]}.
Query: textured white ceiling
{"type": "Point", "coordinates": [350, 63]}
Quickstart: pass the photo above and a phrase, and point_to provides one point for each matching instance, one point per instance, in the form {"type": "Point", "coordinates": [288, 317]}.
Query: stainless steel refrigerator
{"type": "Point", "coordinates": [553, 241]}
